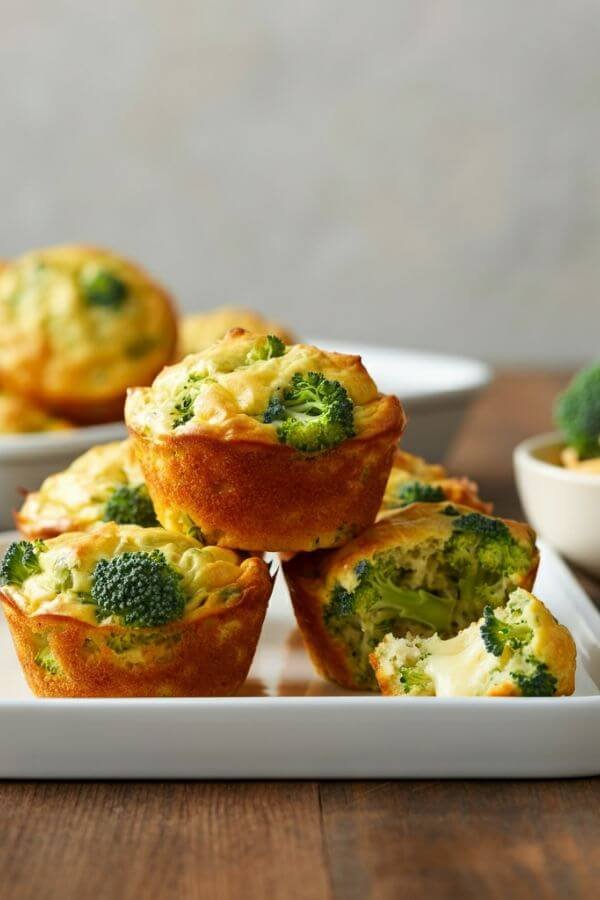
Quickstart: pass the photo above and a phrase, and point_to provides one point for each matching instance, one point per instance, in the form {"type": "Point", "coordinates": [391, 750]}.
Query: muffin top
{"type": "Point", "coordinates": [81, 322]}
{"type": "Point", "coordinates": [255, 388]}
{"type": "Point", "coordinates": [103, 484]}
{"type": "Point", "coordinates": [20, 417]}
{"type": "Point", "coordinates": [197, 332]}
{"type": "Point", "coordinates": [95, 576]}
{"type": "Point", "coordinates": [421, 529]}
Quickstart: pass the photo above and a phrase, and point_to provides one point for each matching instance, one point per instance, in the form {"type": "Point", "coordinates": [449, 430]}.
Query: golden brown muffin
{"type": "Point", "coordinates": [123, 611]}
{"type": "Point", "coordinates": [19, 416]}
{"type": "Point", "coordinates": [78, 325]}
{"type": "Point", "coordinates": [200, 331]}
{"type": "Point", "coordinates": [518, 650]}
{"type": "Point", "coordinates": [430, 567]}
{"type": "Point", "coordinates": [105, 484]}
{"type": "Point", "coordinates": [260, 446]}
{"type": "Point", "coordinates": [414, 480]}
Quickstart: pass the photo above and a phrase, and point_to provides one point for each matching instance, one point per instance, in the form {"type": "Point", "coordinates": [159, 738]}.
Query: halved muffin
{"type": "Point", "coordinates": [105, 484]}
{"type": "Point", "coordinates": [427, 568]}
{"type": "Point", "coordinates": [412, 480]}
{"type": "Point", "coordinates": [517, 650]}
{"type": "Point", "coordinates": [123, 611]}
{"type": "Point", "coordinates": [262, 446]}
{"type": "Point", "coordinates": [199, 331]}
{"type": "Point", "coordinates": [78, 325]}
{"type": "Point", "coordinates": [19, 416]}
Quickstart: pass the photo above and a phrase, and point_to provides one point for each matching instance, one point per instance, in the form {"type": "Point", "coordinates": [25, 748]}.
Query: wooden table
{"type": "Point", "coordinates": [342, 840]}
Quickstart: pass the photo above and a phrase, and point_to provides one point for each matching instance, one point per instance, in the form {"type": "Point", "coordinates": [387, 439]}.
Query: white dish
{"type": "Point", "coordinates": [26, 459]}
{"type": "Point", "coordinates": [563, 505]}
{"type": "Point", "coordinates": [435, 389]}
{"type": "Point", "coordinates": [291, 724]}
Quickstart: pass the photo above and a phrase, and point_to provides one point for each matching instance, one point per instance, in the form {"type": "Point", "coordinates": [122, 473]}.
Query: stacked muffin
{"type": "Point", "coordinates": [251, 445]}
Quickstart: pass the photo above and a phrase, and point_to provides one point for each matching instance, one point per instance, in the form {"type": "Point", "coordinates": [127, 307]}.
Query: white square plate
{"type": "Point", "coordinates": [289, 724]}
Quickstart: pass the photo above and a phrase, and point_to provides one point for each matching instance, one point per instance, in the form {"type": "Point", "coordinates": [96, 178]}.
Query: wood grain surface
{"type": "Point", "coordinates": [343, 840]}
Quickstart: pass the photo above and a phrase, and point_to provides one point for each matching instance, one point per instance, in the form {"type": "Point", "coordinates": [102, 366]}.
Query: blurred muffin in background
{"type": "Point", "coordinates": [19, 416]}
{"type": "Point", "coordinates": [198, 332]}
{"type": "Point", "coordinates": [105, 484]}
{"type": "Point", "coordinates": [78, 326]}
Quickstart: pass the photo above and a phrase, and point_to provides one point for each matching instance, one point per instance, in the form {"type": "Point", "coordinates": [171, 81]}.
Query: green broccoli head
{"type": "Point", "coordinates": [130, 505]}
{"type": "Point", "coordinates": [45, 659]}
{"type": "Point", "coordinates": [378, 604]}
{"type": "Point", "coordinates": [498, 633]}
{"type": "Point", "coordinates": [312, 414]}
{"type": "Point", "coordinates": [577, 412]}
{"type": "Point", "coordinates": [270, 348]}
{"type": "Point", "coordinates": [183, 409]}
{"type": "Point", "coordinates": [420, 492]}
{"type": "Point", "coordinates": [138, 587]}
{"type": "Point", "coordinates": [20, 562]}
{"type": "Point", "coordinates": [105, 289]}
{"type": "Point", "coordinates": [483, 554]}
{"type": "Point", "coordinates": [537, 682]}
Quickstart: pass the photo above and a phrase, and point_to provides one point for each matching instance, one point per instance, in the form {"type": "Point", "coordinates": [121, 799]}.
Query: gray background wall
{"type": "Point", "coordinates": [424, 173]}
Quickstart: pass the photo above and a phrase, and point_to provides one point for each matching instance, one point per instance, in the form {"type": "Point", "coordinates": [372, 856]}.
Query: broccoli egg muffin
{"type": "Point", "coordinates": [412, 480]}
{"type": "Point", "coordinates": [123, 611]}
{"type": "Point", "coordinates": [262, 446]}
{"type": "Point", "coordinates": [19, 416]}
{"type": "Point", "coordinates": [431, 567]}
{"type": "Point", "coordinates": [198, 332]}
{"type": "Point", "coordinates": [517, 650]}
{"type": "Point", "coordinates": [105, 484]}
{"type": "Point", "coordinates": [79, 325]}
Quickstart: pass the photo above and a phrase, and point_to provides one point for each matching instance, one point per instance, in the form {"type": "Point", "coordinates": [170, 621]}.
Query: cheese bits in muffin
{"type": "Point", "coordinates": [123, 611]}
{"type": "Point", "coordinates": [79, 325]}
{"type": "Point", "coordinates": [105, 484]}
{"type": "Point", "coordinates": [263, 446]}
{"type": "Point", "coordinates": [199, 331]}
{"type": "Point", "coordinates": [428, 568]}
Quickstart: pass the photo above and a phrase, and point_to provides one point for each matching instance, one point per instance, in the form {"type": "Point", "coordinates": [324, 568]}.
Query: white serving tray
{"type": "Point", "coordinates": [289, 724]}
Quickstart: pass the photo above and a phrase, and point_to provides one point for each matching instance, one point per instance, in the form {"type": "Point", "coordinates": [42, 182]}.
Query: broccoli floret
{"type": "Point", "coordinates": [104, 288]}
{"type": "Point", "coordinates": [46, 660]}
{"type": "Point", "coordinates": [379, 603]}
{"type": "Point", "coordinates": [578, 412]}
{"type": "Point", "coordinates": [130, 505]}
{"type": "Point", "coordinates": [538, 683]}
{"type": "Point", "coordinates": [414, 680]}
{"type": "Point", "coordinates": [140, 588]}
{"type": "Point", "coordinates": [380, 598]}
{"type": "Point", "coordinates": [20, 562]}
{"type": "Point", "coordinates": [497, 633]}
{"type": "Point", "coordinates": [270, 348]}
{"type": "Point", "coordinates": [483, 554]}
{"type": "Point", "coordinates": [183, 410]}
{"type": "Point", "coordinates": [313, 414]}
{"type": "Point", "coordinates": [420, 492]}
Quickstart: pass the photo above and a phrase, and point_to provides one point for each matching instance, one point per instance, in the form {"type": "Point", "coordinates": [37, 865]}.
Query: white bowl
{"type": "Point", "coordinates": [26, 459]}
{"type": "Point", "coordinates": [563, 505]}
{"type": "Point", "coordinates": [436, 390]}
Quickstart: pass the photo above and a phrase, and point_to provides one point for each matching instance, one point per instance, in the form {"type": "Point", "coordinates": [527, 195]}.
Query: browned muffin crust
{"type": "Point", "coordinates": [209, 655]}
